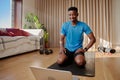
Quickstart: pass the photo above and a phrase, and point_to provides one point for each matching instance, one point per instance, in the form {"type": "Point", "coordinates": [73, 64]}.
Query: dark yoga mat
{"type": "Point", "coordinates": [88, 70]}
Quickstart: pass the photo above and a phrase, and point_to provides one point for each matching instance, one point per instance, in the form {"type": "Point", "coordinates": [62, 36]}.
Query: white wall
{"type": "Point", "coordinates": [116, 22]}
{"type": "Point", "coordinates": [28, 7]}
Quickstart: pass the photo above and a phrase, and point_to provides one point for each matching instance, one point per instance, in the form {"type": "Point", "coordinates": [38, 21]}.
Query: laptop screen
{"type": "Point", "coordinates": [50, 74]}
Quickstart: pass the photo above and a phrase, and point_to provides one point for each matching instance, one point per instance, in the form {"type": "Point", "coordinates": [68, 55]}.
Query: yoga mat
{"type": "Point", "coordinates": [88, 70]}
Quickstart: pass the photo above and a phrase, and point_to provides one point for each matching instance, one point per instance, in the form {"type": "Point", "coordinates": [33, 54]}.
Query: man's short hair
{"type": "Point", "coordinates": [73, 9]}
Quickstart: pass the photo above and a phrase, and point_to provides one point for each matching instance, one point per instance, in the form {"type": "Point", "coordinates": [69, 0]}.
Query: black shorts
{"type": "Point", "coordinates": [72, 55]}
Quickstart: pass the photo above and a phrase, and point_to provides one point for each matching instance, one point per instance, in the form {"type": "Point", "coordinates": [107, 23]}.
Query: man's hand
{"type": "Point", "coordinates": [80, 50]}
{"type": "Point", "coordinates": [62, 50]}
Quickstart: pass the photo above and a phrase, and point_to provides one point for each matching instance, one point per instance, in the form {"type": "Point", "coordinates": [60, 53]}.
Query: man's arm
{"type": "Point", "coordinates": [62, 37]}
{"type": "Point", "coordinates": [92, 41]}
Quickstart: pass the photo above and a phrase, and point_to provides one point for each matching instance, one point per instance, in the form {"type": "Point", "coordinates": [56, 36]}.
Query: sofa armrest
{"type": "Point", "coordinates": [35, 32]}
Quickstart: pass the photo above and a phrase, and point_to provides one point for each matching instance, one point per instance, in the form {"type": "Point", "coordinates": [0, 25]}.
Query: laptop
{"type": "Point", "coordinates": [52, 74]}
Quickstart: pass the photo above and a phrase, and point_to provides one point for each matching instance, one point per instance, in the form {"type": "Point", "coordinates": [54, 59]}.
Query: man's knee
{"type": "Point", "coordinates": [60, 61]}
{"type": "Point", "coordinates": [80, 63]}
{"type": "Point", "coordinates": [80, 59]}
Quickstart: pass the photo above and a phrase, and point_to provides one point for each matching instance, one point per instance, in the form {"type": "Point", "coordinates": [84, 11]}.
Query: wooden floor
{"type": "Point", "coordinates": [107, 67]}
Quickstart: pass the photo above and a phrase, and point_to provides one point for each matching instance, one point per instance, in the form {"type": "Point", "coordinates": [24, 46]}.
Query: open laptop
{"type": "Point", "coordinates": [51, 74]}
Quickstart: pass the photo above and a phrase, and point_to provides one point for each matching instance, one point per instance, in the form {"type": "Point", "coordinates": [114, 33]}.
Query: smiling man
{"type": "Point", "coordinates": [72, 47]}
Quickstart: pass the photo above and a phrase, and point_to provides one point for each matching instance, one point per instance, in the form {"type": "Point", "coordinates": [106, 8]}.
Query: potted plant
{"type": "Point", "coordinates": [32, 22]}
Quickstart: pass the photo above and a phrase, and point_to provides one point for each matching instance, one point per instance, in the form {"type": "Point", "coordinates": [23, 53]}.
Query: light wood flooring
{"type": "Point", "coordinates": [107, 67]}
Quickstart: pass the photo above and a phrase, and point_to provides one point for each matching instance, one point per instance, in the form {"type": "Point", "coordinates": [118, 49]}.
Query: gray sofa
{"type": "Point", "coordinates": [20, 44]}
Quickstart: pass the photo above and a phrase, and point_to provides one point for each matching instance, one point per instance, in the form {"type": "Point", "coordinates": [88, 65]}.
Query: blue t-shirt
{"type": "Point", "coordinates": [74, 34]}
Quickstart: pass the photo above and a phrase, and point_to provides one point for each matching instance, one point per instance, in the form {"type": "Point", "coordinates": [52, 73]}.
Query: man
{"type": "Point", "coordinates": [73, 31]}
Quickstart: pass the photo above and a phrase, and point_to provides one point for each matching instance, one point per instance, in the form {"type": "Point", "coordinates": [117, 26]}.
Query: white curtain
{"type": "Point", "coordinates": [96, 13]}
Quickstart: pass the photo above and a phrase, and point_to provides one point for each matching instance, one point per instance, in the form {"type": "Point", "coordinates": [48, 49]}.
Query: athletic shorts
{"type": "Point", "coordinates": [72, 55]}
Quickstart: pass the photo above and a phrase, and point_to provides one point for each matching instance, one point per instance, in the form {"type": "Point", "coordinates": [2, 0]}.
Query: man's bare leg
{"type": "Point", "coordinates": [61, 58]}
{"type": "Point", "coordinates": [80, 60]}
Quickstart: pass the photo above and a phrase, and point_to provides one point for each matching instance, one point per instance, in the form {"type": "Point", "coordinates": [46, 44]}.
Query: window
{"type": "Point", "coordinates": [17, 13]}
{"type": "Point", "coordinates": [5, 13]}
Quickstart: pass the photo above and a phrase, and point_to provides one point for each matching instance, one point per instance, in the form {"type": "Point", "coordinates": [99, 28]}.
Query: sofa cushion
{"type": "Point", "coordinates": [2, 33]}
{"type": "Point", "coordinates": [13, 32]}
{"type": "Point", "coordinates": [17, 32]}
{"type": "Point", "coordinates": [25, 33]}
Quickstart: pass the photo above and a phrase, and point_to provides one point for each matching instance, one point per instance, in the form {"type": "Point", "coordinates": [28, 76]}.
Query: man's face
{"type": "Point", "coordinates": [73, 15]}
